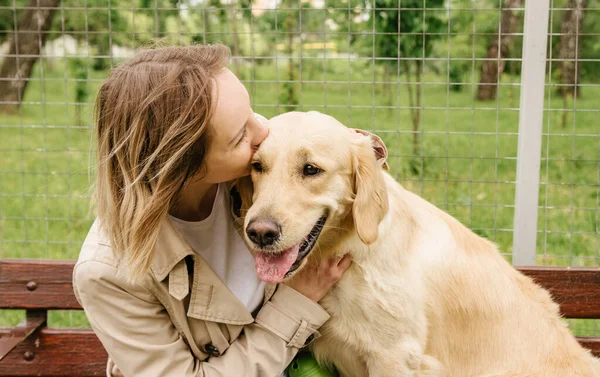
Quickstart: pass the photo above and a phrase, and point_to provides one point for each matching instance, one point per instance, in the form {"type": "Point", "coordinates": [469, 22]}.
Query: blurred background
{"type": "Point", "coordinates": [438, 80]}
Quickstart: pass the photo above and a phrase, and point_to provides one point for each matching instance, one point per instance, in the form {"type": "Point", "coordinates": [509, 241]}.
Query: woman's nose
{"type": "Point", "coordinates": [261, 134]}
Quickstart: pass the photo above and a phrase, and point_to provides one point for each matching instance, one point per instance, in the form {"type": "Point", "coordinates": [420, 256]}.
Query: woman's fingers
{"type": "Point", "coordinates": [344, 262]}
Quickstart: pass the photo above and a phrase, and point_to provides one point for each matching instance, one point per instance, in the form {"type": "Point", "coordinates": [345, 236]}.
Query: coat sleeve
{"type": "Point", "coordinates": [139, 336]}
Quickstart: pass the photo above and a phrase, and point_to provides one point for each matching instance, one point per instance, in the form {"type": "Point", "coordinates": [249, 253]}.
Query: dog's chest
{"type": "Point", "coordinates": [366, 309]}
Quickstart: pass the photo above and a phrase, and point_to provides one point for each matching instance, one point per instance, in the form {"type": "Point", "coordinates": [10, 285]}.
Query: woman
{"type": "Point", "coordinates": [165, 280]}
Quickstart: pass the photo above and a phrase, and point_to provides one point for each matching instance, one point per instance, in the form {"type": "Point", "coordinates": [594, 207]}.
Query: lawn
{"type": "Point", "coordinates": [465, 162]}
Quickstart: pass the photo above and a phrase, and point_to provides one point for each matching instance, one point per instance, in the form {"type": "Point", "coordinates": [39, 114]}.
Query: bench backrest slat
{"type": "Point", "coordinates": [591, 343]}
{"type": "Point", "coordinates": [577, 290]}
{"type": "Point", "coordinates": [33, 284]}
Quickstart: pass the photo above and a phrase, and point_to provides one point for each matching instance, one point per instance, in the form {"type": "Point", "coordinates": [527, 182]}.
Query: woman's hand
{"type": "Point", "coordinates": [315, 280]}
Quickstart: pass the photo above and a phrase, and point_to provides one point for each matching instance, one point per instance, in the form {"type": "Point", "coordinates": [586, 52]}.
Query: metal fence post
{"type": "Point", "coordinates": [531, 114]}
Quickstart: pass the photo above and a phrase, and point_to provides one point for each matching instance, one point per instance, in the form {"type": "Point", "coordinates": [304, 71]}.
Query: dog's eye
{"type": "Point", "coordinates": [311, 170]}
{"type": "Point", "coordinates": [257, 167]}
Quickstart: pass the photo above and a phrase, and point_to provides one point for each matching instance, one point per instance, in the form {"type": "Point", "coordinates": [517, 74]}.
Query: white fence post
{"type": "Point", "coordinates": [531, 112]}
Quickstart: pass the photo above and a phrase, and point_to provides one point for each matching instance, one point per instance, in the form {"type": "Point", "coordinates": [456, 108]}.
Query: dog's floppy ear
{"type": "Point", "coordinates": [378, 146]}
{"type": "Point", "coordinates": [371, 200]}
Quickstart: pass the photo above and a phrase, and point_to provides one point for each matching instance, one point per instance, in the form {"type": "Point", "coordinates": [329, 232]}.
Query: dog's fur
{"type": "Point", "coordinates": [424, 296]}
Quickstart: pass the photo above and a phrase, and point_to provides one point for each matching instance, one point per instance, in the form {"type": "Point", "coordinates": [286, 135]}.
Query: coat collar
{"type": "Point", "coordinates": [170, 249]}
{"type": "Point", "coordinates": [210, 298]}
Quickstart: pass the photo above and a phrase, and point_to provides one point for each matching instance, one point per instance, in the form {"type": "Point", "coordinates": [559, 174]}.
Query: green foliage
{"type": "Point", "coordinates": [378, 28]}
{"type": "Point", "coordinates": [7, 17]}
{"type": "Point", "coordinates": [93, 27]}
{"type": "Point", "coordinates": [165, 9]}
{"type": "Point", "coordinates": [289, 18]}
{"type": "Point", "coordinates": [396, 33]}
{"type": "Point", "coordinates": [456, 76]}
{"type": "Point", "coordinates": [78, 70]}
{"type": "Point", "coordinates": [288, 97]}
{"type": "Point", "coordinates": [404, 30]}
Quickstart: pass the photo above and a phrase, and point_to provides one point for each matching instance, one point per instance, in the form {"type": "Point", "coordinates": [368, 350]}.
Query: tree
{"type": "Point", "coordinates": [285, 19]}
{"type": "Point", "coordinates": [79, 70]}
{"type": "Point", "coordinates": [570, 47]}
{"type": "Point", "coordinates": [168, 8]}
{"type": "Point", "coordinates": [103, 27]}
{"type": "Point", "coordinates": [24, 51]}
{"type": "Point", "coordinates": [408, 35]}
{"type": "Point", "coordinates": [227, 14]}
{"type": "Point", "coordinates": [111, 25]}
{"type": "Point", "coordinates": [404, 36]}
{"type": "Point", "coordinates": [498, 49]}
{"type": "Point", "coordinates": [289, 97]}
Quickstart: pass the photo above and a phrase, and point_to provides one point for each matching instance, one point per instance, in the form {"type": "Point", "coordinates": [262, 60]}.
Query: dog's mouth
{"type": "Point", "coordinates": [274, 267]}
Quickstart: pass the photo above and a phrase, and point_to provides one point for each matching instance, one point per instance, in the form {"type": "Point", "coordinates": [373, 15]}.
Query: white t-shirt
{"type": "Point", "coordinates": [219, 244]}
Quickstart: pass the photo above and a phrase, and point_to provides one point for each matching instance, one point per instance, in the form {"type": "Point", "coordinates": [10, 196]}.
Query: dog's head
{"type": "Point", "coordinates": [313, 182]}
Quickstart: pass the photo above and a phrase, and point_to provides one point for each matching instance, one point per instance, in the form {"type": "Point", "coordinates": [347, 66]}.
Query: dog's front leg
{"type": "Point", "coordinates": [346, 360]}
{"type": "Point", "coordinates": [404, 359]}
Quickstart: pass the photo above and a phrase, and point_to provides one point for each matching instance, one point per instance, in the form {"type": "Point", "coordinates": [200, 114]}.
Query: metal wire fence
{"type": "Point", "coordinates": [439, 80]}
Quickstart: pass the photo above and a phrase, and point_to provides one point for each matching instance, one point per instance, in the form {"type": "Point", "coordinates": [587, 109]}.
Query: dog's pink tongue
{"type": "Point", "coordinates": [272, 268]}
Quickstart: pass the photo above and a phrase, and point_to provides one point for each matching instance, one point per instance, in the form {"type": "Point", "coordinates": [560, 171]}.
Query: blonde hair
{"type": "Point", "coordinates": [152, 116]}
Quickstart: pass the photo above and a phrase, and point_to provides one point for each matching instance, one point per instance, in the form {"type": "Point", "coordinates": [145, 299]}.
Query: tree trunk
{"type": "Point", "coordinates": [570, 45]}
{"type": "Point", "coordinates": [206, 37]}
{"type": "Point", "coordinates": [24, 51]}
{"type": "Point", "coordinates": [414, 101]}
{"type": "Point", "coordinates": [499, 47]}
{"type": "Point", "coordinates": [418, 103]}
{"type": "Point", "coordinates": [387, 87]}
{"type": "Point", "coordinates": [236, 39]}
{"type": "Point", "coordinates": [289, 86]}
{"type": "Point", "coordinates": [289, 97]}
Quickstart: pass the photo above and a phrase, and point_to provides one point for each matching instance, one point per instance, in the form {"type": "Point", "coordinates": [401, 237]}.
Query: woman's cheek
{"type": "Point", "coordinates": [242, 159]}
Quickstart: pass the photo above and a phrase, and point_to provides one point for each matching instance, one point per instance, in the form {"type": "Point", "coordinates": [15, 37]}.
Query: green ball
{"type": "Point", "coordinates": [306, 366]}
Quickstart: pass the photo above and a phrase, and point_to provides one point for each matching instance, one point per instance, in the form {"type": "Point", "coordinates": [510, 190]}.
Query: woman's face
{"type": "Point", "coordinates": [236, 133]}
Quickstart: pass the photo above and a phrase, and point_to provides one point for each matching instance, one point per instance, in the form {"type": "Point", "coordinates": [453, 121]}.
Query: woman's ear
{"type": "Point", "coordinates": [371, 200]}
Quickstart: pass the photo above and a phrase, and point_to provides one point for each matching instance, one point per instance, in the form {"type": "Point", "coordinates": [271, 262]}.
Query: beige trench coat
{"type": "Point", "coordinates": [181, 320]}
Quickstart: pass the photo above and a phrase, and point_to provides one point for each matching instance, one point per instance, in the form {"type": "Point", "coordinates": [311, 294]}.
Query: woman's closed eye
{"type": "Point", "coordinates": [243, 137]}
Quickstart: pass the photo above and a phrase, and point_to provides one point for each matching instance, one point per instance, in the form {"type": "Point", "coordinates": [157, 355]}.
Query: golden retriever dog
{"type": "Point", "coordinates": [424, 295]}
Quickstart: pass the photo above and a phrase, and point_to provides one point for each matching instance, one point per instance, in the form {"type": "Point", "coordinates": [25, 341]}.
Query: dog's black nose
{"type": "Point", "coordinates": [263, 232]}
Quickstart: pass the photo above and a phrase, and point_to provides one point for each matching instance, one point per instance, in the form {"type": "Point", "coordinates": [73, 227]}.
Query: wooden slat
{"type": "Point", "coordinates": [77, 352]}
{"type": "Point", "coordinates": [57, 353]}
{"type": "Point", "coordinates": [52, 279]}
{"type": "Point", "coordinates": [593, 344]}
{"type": "Point", "coordinates": [575, 289]}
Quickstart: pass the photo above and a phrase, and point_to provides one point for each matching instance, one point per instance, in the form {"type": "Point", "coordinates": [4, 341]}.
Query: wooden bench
{"type": "Point", "coordinates": [33, 349]}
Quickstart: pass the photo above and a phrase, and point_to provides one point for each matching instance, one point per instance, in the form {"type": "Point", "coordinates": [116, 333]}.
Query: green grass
{"type": "Point", "coordinates": [466, 162]}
